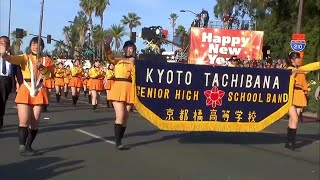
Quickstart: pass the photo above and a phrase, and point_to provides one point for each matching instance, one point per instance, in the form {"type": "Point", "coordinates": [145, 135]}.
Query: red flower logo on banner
{"type": "Point", "coordinates": [214, 97]}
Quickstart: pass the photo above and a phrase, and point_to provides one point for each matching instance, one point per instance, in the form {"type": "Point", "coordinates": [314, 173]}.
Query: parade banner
{"type": "Point", "coordinates": [215, 46]}
{"type": "Point", "coordinates": [189, 97]}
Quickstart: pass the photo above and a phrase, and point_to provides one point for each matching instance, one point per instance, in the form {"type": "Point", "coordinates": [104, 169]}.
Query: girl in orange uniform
{"type": "Point", "coordinates": [109, 82]}
{"type": "Point", "coordinates": [122, 91]}
{"type": "Point", "coordinates": [76, 81]}
{"type": "Point", "coordinates": [66, 80]}
{"type": "Point", "coordinates": [85, 79]}
{"type": "Point", "coordinates": [48, 83]}
{"type": "Point", "coordinates": [29, 98]}
{"type": "Point", "coordinates": [301, 88]}
{"type": "Point", "coordinates": [59, 75]}
{"type": "Point", "coordinates": [96, 83]}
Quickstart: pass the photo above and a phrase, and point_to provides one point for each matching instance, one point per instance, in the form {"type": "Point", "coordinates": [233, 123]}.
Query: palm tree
{"type": "Point", "coordinates": [88, 7]}
{"type": "Point", "coordinates": [180, 30]}
{"type": "Point", "coordinates": [81, 26]}
{"type": "Point", "coordinates": [100, 6]}
{"type": "Point", "coordinates": [66, 33]}
{"type": "Point", "coordinates": [173, 18]}
{"type": "Point", "coordinates": [133, 20]}
{"type": "Point", "coordinates": [98, 38]}
{"type": "Point", "coordinates": [17, 42]}
{"type": "Point", "coordinates": [117, 32]}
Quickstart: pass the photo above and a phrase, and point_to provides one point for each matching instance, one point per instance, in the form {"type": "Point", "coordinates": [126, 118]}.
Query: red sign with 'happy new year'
{"type": "Point", "coordinates": [215, 46]}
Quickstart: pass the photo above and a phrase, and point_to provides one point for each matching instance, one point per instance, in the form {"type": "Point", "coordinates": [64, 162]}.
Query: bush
{"type": "Point", "coordinates": [313, 104]}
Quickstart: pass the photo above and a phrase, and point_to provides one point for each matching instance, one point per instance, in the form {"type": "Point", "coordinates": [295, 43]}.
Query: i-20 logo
{"type": "Point", "coordinates": [298, 45]}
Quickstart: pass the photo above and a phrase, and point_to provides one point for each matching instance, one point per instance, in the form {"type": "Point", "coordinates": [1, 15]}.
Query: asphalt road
{"type": "Point", "coordinates": [77, 143]}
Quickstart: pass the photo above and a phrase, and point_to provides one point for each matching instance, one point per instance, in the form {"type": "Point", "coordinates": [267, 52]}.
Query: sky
{"type": "Point", "coordinates": [26, 14]}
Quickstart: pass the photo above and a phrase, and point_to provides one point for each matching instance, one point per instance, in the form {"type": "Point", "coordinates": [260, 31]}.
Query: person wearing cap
{"type": "Point", "coordinates": [76, 81]}
{"type": "Point", "coordinates": [30, 101]}
{"type": "Point", "coordinates": [299, 100]}
{"type": "Point", "coordinates": [59, 75]}
{"type": "Point", "coordinates": [96, 75]}
{"type": "Point", "coordinates": [122, 91]}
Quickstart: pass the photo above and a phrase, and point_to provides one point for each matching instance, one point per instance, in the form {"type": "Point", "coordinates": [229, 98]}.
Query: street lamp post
{"type": "Point", "coordinates": [9, 28]}
{"type": "Point", "coordinates": [299, 16]}
{"type": "Point", "coordinates": [188, 11]}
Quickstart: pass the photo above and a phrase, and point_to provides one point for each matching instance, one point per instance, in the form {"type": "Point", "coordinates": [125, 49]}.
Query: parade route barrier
{"type": "Point", "coordinates": [188, 97]}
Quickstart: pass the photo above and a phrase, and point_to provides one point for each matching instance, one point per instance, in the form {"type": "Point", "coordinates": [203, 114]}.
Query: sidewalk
{"type": "Point", "coordinates": [309, 116]}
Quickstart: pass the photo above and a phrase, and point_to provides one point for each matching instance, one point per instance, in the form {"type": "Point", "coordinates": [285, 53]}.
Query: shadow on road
{"type": "Point", "coordinates": [230, 138]}
{"type": "Point", "coordinates": [69, 125]}
{"type": "Point", "coordinates": [38, 168]}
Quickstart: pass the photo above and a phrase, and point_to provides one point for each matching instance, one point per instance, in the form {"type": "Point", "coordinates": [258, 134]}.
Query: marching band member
{"type": "Point", "coordinates": [48, 83]}
{"type": "Point", "coordinates": [299, 94]}
{"type": "Point", "coordinates": [109, 82]}
{"type": "Point", "coordinates": [30, 98]}
{"type": "Point", "coordinates": [76, 81]}
{"type": "Point", "coordinates": [59, 80]}
{"type": "Point", "coordinates": [66, 80]}
{"type": "Point", "coordinates": [85, 80]}
{"type": "Point", "coordinates": [96, 82]}
{"type": "Point", "coordinates": [122, 91]}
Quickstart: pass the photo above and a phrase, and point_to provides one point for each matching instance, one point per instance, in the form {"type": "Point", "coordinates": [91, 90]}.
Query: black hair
{"type": "Point", "coordinates": [7, 39]}
{"type": "Point", "coordinates": [35, 40]}
{"type": "Point", "coordinates": [292, 55]}
{"type": "Point", "coordinates": [130, 44]}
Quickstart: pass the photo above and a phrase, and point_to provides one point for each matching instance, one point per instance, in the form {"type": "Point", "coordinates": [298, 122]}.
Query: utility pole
{"type": "Point", "coordinates": [9, 29]}
{"type": "Point", "coordinates": [299, 16]}
{"type": "Point", "coordinates": [39, 36]}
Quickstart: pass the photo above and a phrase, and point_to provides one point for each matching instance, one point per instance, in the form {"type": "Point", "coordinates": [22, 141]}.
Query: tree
{"type": "Point", "coordinates": [17, 42]}
{"type": "Point", "coordinates": [98, 38]}
{"type": "Point", "coordinates": [133, 20]}
{"type": "Point", "coordinates": [173, 18]}
{"type": "Point", "coordinates": [100, 6]}
{"type": "Point", "coordinates": [117, 32]}
{"type": "Point", "coordinates": [88, 6]}
{"type": "Point", "coordinates": [81, 26]}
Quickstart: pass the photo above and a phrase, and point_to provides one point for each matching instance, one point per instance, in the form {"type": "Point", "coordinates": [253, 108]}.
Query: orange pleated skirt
{"type": "Point", "coordinates": [23, 96]}
{"type": "Point", "coordinates": [48, 83]}
{"type": "Point", "coordinates": [299, 98]}
{"type": "Point", "coordinates": [66, 80]}
{"type": "Point", "coordinates": [59, 81]}
{"type": "Point", "coordinates": [122, 91]}
{"type": "Point", "coordinates": [85, 82]}
{"type": "Point", "coordinates": [76, 82]}
{"type": "Point", "coordinates": [108, 84]}
{"type": "Point", "coordinates": [96, 84]}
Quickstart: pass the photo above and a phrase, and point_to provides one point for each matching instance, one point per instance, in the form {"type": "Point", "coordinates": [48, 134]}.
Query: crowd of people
{"type": "Point", "coordinates": [278, 64]}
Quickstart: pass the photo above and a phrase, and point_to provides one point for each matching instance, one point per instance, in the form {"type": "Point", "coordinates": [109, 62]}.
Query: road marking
{"type": "Point", "coordinates": [95, 136]}
{"type": "Point", "coordinates": [301, 138]}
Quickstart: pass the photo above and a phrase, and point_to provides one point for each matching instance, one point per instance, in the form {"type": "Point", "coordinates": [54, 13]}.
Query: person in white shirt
{"type": "Point", "coordinates": [5, 79]}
